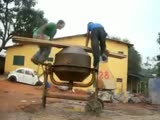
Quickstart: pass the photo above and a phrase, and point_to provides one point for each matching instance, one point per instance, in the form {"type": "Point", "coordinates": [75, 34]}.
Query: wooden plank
{"type": "Point", "coordinates": [42, 42]}
{"type": "Point", "coordinates": [25, 40]}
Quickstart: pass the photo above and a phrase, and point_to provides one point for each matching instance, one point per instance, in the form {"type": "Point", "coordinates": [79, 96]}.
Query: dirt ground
{"type": "Point", "coordinates": [23, 102]}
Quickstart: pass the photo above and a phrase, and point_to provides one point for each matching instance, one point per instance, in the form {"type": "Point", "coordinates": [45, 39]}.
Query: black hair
{"type": "Point", "coordinates": [60, 22]}
{"type": "Point", "coordinates": [89, 23]}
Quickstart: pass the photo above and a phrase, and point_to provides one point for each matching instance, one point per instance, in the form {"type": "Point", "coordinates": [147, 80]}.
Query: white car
{"type": "Point", "coordinates": [25, 75]}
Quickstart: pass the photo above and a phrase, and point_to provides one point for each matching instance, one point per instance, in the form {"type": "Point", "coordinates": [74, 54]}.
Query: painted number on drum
{"type": "Point", "coordinates": [103, 75]}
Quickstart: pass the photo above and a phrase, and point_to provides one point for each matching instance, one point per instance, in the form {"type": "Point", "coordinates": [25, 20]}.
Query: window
{"type": "Point", "coordinates": [120, 52]}
{"type": "Point", "coordinates": [28, 73]}
{"type": "Point", "coordinates": [20, 71]}
{"type": "Point", "coordinates": [18, 60]}
{"type": "Point", "coordinates": [119, 79]}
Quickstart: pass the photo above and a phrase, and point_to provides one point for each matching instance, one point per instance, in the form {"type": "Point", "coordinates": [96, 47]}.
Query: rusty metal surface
{"type": "Point", "coordinates": [72, 73]}
{"type": "Point", "coordinates": [74, 83]}
{"type": "Point", "coordinates": [73, 56]}
{"type": "Point", "coordinates": [72, 64]}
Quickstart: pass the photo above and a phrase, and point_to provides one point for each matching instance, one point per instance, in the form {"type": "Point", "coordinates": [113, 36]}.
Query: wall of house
{"type": "Point", "coordinates": [26, 50]}
{"type": "Point", "coordinates": [115, 69]}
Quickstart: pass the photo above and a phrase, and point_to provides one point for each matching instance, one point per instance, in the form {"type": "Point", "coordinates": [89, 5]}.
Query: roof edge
{"type": "Point", "coordinates": [71, 36]}
{"type": "Point", "coordinates": [79, 35]}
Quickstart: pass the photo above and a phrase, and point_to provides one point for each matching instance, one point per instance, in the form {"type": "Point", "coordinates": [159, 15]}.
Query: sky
{"type": "Point", "coordinates": [135, 20]}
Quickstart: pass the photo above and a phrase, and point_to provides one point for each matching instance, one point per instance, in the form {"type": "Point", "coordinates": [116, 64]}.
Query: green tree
{"type": "Point", "coordinates": [18, 17]}
{"type": "Point", "coordinates": [158, 69]}
{"type": "Point", "coordinates": [150, 67]}
{"type": "Point", "coordinates": [134, 60]}
{"type": "Point", "coordinates": [116, 38]}
{"type": "Point", "coordinates": [158, 40]}
{"type": "Point", "coordinates": [158, 58]}
{"type": "Point", "coordinates": [27, 20]}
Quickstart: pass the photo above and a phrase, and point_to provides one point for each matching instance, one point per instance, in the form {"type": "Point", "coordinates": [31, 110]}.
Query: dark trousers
{"type": "Point", "coordinates": [98, 44]}
{"type": "Point", "coordinates": [42, 54]}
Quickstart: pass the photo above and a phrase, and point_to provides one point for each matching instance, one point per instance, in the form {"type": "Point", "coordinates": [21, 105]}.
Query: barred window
{"type": "Point", "coordinates": [18, 60]}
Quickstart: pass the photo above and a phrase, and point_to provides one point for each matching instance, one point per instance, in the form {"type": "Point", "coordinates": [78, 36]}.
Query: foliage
{"type": "Point", "coordinates": [134, 58]}
{"type": "Point", "coordinates": [158, 69]}
{"type": "Point", "coordinates": [158, 58]}
{"type": "Point", "coordinates": [18, 18]}
{"type": "Point", "coordinates": [27, 20]}
{"type": "Point", "coordinates": [134, 61]}
{"type": "Point", "coordinates": [158, 40]}
{"type": "Point", "coordinates": [116, 38]}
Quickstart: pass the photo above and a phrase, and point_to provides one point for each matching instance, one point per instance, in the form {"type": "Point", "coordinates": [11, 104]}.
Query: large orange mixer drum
{"type": "Point", "coordinates": [72, 64]}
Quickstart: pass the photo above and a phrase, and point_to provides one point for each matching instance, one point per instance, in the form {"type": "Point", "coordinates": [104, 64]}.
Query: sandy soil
{"type": "Point", "coordinates": [23, 102]}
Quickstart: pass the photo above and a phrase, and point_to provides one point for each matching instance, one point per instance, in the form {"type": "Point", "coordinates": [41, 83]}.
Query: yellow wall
{"type": "Point", "coordinates": [26, 50]}
{"type": "Point", "coordinates": [115, 68]}
{"type": "Point", "coordinates": [118, 67]}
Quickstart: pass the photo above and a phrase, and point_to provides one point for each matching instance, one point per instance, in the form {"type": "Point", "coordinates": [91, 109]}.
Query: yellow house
{"type": "Point", "coordinates": [115, 69]}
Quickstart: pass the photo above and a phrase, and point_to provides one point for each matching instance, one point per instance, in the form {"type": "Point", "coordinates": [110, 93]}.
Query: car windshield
{"type": "Point", "coordinates": [20, 71]}
{"type": "Point", "coordinates": [28, 72]}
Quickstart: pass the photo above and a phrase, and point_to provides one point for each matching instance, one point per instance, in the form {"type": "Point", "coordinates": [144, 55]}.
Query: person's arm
{"type": "Point", "coordinates": [41, 31]}
{"type": "Point", "coordinates": [87, 39]}
{"type": "Point", "coordinates": [53, 34]}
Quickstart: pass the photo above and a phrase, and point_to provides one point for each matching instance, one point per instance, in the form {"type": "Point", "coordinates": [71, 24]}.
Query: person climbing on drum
{"type": "Point", "coordinates": [97, 34]}
{"type": "Point", "coordinates": [46, 32]}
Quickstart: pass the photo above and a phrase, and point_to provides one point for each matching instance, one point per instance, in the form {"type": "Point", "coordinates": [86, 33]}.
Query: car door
{"type": "Point", "coordinates": [20, 75]}
{"type": "Point", "coordinates": [29, 77]}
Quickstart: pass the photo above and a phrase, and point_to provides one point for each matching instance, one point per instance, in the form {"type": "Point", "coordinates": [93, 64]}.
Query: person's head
{"type": "Point", "coordinates": [89, 23]}
{"type": "Point", "coordinates": [60, 24]}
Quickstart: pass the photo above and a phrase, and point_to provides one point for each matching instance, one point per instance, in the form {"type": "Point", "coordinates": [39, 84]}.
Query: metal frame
{"type": "Point", "coordinates": [49, 71]}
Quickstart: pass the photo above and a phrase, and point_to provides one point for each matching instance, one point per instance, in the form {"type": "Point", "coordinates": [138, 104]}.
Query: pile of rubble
{"type": "Point", "coordinates": [123, 98]}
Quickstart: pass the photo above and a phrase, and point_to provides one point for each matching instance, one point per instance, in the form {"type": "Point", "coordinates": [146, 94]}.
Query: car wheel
{"type": "Point", "coordinates": [38, 83]}
{"type": "Point", "coordinates": [13, 78]}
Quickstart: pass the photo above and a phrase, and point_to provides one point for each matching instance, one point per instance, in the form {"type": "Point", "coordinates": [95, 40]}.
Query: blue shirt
{"type": "Point", "coordinates": [91, 26]}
